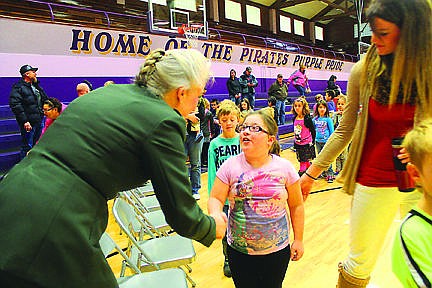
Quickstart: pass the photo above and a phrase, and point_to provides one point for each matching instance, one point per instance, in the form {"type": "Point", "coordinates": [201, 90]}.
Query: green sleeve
{"type": "Point", "coordinates": [171, 183]}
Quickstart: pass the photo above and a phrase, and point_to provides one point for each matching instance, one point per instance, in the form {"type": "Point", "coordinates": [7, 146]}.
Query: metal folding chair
{"type": "Point", "coordinates": [154, 253]}
{"type": "Point", "coordinates": [175, 278]}
{"type": "Point", "coordinates": [154, 220]}
{"type": "Point", "coordinates": [146, 189]}
{"type": "Point", "coordinates": [149, 202]}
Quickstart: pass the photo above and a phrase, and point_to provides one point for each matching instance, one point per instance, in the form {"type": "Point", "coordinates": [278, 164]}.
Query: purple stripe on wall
{"type": "Point", "coordinates": [64, 88]}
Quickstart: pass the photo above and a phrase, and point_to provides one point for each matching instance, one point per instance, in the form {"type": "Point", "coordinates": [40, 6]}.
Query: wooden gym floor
{"type": "Point", "coordinates": [326, 243]}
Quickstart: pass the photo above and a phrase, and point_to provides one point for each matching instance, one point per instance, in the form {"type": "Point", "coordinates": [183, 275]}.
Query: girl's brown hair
{"type": "Point", "coordinates": [305, 110]}
{"type": "Point", "coordinates": [412, 64]}
{"type": "Point", "coordinates": [323, 103]}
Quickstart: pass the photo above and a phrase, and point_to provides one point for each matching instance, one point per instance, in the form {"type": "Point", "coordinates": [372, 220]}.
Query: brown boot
{"type": "Point", "coordinates": [347, 281]}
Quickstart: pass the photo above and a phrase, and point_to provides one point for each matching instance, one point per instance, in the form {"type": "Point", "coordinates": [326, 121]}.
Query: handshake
{"type": "Point", "coordinates": [221, 224]}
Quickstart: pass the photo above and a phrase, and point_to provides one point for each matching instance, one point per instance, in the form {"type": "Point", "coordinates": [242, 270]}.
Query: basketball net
{"type": "Point", "coordinates": [191, 33]}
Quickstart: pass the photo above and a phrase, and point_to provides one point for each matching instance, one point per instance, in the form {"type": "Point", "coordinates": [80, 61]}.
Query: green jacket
{"type": "Point", "coordinates": [280, 92]}
{"type": "Point", "coordinates": [53, 203]}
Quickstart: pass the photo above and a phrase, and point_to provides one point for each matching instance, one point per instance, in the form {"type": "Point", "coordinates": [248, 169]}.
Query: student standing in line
{"type": "Point", "coordinates": [221, 148]}
{"type": "Point", "coordinates": [412, 249]}
{"type": "Point", "coordinates": [214, 104]}
{"type": "Point", "coordinates": [389, 92]}
{"type": "Point", "coordinates": [245, 108]}
{"type": "Point", "coordinates": [324, 128]}
{"type": "Point", "coordinates": [329, 97]}
{"type": "Point", "coordinates": [271, 102]}
{"type": "Point", "coordinates": [337, 117]}
{"type": "Point", "coordinates": [259, 186]}
{"type": "Point", "coordinates": [318, 97]}
{"type": "Point", "coordinates": [304, 134]}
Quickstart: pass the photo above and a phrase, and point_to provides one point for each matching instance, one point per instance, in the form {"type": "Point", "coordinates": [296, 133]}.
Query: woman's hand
{"type": "Point", "coordinates": [404, 156]}
{"type": "Point", "coordinates": [297, 250]}
{"type": "Point", "coordinates": [306, 184]}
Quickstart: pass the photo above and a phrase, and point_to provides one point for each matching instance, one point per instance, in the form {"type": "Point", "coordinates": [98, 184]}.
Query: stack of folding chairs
{"type": "Point", "coordinates": [152, 245]}
{"type": "Point", "coordinates": [173, 278]}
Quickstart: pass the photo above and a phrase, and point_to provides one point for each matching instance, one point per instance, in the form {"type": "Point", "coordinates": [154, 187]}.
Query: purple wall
{"type": "Point", "coordinates": [64, 88]}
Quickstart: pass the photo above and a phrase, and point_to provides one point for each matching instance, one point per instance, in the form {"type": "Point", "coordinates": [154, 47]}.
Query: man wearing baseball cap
{"type": "Point", "coordinates": [26, 102]}
{"type": "Point", "coordinates": [248, 83]}
{"type": "Point", "coordinates": [279, 90]}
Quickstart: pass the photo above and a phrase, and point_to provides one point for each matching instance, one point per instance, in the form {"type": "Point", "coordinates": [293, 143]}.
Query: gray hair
{"type": "Point", "coordinates": [164, 71]}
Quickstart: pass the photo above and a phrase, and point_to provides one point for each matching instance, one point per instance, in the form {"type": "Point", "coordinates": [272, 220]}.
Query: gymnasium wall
{"type": "Point", "coordinates": [66, 55]}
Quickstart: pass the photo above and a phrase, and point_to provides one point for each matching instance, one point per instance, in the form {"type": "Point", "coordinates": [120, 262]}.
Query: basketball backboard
{"type": "Point", "coordinates": [166, 16]}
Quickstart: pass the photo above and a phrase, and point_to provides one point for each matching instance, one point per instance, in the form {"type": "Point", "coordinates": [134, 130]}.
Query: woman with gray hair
{"type": "Point", "coordinates": [117, 139]}
{"type": "Point", "coordinates": [389, 92]}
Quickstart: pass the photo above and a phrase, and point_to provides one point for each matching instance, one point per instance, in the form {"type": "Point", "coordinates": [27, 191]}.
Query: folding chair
{"type": "Point", "coordinates": [174, 277]}
{"type": "Point", "coordinates": [147, 197]}
{"type": "Point", "coordinates": [154, 220]}
{"type": "Point", "coordinates": [149, 202]}
{"type": "Point", "coordinates": [146, 189]}
{"type": "Point", "coordinates": [154, 253]}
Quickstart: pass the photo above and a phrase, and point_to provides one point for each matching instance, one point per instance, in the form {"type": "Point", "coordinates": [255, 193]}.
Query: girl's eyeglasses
{"type": "Point", "coordinates": [252, 128]}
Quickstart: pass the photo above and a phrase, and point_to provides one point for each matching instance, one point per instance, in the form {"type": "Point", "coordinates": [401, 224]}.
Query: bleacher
{"type": "Point", "coordinates": [10, 139]}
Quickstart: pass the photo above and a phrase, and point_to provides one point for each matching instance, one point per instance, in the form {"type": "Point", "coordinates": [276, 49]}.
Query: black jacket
{"type": "Point", "coordinates": [24, 103]}
{"type": "Point", "coordinates": [331, 85]}
{"type": "Point", "coordinates": [233, 86]}
{"type": "Point", "coordinates": [200, 115]}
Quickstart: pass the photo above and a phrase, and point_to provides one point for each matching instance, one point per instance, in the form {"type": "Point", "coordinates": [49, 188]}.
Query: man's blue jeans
{"type": "Point", "coordinates": [193, 150]}
{"type": "Point", "coordinates": [280, 108]}
{"type": "Point", "coordinates": [300, 89]}
{"type": "Point", "coordinates": [29, 139]}
{"type": "Point", "coordinates": [235, 100]}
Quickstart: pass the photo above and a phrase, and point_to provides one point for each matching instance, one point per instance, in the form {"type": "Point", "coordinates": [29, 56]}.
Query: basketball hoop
{"type": "Point", "coordinates": [191, 33]}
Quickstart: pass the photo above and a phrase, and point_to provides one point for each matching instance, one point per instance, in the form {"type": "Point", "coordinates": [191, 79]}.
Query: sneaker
{"type": "Point", "coordinates": [227, 270]}
{"type": "Point", "coordinates": [196, 196]}
{"type": "Point", "coordinates": [330, 179]}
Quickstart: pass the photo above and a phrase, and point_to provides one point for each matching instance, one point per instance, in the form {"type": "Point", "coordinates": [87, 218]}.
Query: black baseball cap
{"type": "Point", "coordinates": [249, 68]}
{"type": "Point", "coordinates": [27, 68]}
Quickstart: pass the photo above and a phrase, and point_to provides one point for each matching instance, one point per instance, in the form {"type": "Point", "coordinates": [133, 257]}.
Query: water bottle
{"type": "Point", "coordinates": [404, 180]}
